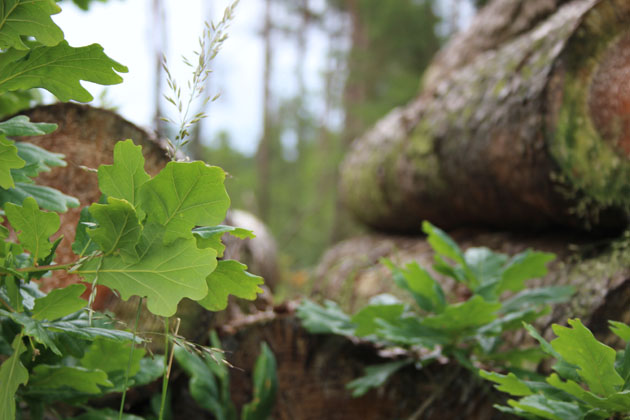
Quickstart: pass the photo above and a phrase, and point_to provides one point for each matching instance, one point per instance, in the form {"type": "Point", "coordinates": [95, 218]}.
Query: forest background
{"type": "Point", "coordinates": [375, 54]}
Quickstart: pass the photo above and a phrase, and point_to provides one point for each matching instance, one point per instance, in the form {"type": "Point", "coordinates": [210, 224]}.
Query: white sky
{"type": "Point", "coordinates": [124, 29]}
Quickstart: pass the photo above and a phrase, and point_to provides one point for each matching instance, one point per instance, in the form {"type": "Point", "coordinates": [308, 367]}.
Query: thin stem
{"type": "Point", "coordinates": [166, 371]}
{"type": "Point", "coordinates": [41, 268]}
{"type": "Point", "coordinates": [93, 292]}
{"type": "Point", "coordinates": [7, 305]}
{"type": "Point", "coordinates": [170, 359]}
{"type": "Point", "coordinates": [133, 345]}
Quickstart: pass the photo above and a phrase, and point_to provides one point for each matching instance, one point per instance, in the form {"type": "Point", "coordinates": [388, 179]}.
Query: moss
{"type": "Point", "coordinates": [590, 166]}
{"type": "Point", "coordinates": [421, 153]}
{"type": "Point", "coordinates": [497, 89]}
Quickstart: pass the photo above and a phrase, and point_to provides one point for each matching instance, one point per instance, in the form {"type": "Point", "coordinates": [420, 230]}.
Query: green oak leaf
{"type": "Point", "coordinates": [427, 293]}
{"type": "Point", "coordinates": [59, 303]}
{"type": "Point", "coordinates": [546, 408]}
{"type": "Point", "coordinates": [124, 178]}
{"type": "Point", "coordinates": [230, 278]}
{"type": "Point", "coordinates": [47, 198]}
{"type": "Point", "coordinates": [210, 236]}
{"type": "Point", "coordinates": [25, 18]}
{"type": "Point", "coordinates": [36, 226]}
{"type": "Point", "coordinates": [75, 377]}
{"type": "Point", "coordinates": [327, 319]}
{"type": "Point", "coordinates": [596, 360]}
{"type": "Point", "coordinates": [524, 266]}
{"type": "Point", "coordinates": [9, 159]}
{"type": "Point", "coordinates": [209, 380]}
{"type": "Point", "coordinates": [35, 329]}
{"type": "Point", "coordinates": [22, 126]}
{"type": "Point", "coordinates": [58, 69]}
{"type": "Point", "coordinates": [409, 331]}
{"type": "Point", "coordinates": [473, 313]}
{"type": "Point", "coordinates": [14, 102]}
{"type": "Point", "coordinates": [184, 195]}
{"type": "Point", "coordinates": [12, 375]}
{"type": "Point", "coordinates": [383, 307]}
{"type": "Point", "coordinates": [617, 402]}
{"type": "Point", "coordinates": [37, 160]}
{"type": "Point", "coordinates": [376, 376]}
{"type": "Point", "coordinates": [83, 330]}
{"type": "Point", "coordinates": [620, 329]}
{"type": "Point", "coordinates": [83, 243]}
{"type": "Point", "coordinates": [536, 297]}
{"type": "Point", "coordinates": [111, 356]}
{"type": "Point", "coordinates": [118, 226]}
{"type": "Point", "coordinates": [485, 265]}
{"type": "Point", "coordinates": [265, 386]}
{"type": "Point", "coordinates": [442, 243]}
{"type": "Point", "coordinates": [164, 274]}
{"type": "Point", "coordinates": [509, 383]}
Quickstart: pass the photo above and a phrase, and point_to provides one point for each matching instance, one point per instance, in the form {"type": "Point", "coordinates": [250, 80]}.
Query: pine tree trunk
{"type": "Point", "coordinates": [522, 122]}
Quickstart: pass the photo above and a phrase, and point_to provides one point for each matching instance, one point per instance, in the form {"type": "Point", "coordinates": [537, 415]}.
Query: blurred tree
{"type": "Point", "coordinates": [377, 51]}
{"type": "Point", "coordinates": [392, 42]}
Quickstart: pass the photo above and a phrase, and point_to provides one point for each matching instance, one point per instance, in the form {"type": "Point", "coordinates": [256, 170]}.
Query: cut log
{"type": "Point", "coordinates": [523, 122]}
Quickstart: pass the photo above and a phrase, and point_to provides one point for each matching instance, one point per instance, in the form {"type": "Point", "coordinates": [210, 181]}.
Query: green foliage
{"type": "Point", "coordinates": [184, 195]}
{"type": "Point", "coordinates": [590, 379]}
{"type": "Point", "coordinates": [124, 178]}
{"type": "Point", "coordinates": [10, 160]}
{"type": "Point", "coordinates": [230, 277]}
{"type": "Point", "coordinates": [376, 376]}
{"type": "Point", "coordinates": [59, 303]}
{"type": "Point", "coordinates": [210, 236]}
{"type": "Point", "coordinates": [210, 382]}
{"type": "Point", "coordinates": [58, 69]}
{"type": "Point", "coordinates": [34, 226]}
{"type": "Point", "coordinates": [28, 18]}
{"type": "Point", "coordinates": [12, 375]}
{"type": "Point", "coordinates": [137, 240]}
{"type": "Point", "coordinates": [469, 331]}
{"type": "Point", "coordinates": [125, 243]}
{"type": "Point", "coordinates": [34, 54]}
{"type": "Point", "coordinates": [265, 387]}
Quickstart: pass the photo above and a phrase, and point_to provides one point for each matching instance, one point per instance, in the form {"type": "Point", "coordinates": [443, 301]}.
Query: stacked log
{"type": "Point", "coordinates": [519, 127]}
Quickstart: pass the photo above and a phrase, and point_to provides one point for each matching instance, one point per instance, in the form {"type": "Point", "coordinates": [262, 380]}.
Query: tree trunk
{"type": "Point", "coordinates": [264, 152]}
{"type": "Point", "coordinates": [522, 122]}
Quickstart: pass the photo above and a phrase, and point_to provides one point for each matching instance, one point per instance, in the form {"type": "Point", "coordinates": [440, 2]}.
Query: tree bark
{"type": "Point", "coordinates": [522, 123]}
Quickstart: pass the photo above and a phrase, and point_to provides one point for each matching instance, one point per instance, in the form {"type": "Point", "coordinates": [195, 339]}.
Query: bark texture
{"type": "Point", "coordinates": [522, 122]}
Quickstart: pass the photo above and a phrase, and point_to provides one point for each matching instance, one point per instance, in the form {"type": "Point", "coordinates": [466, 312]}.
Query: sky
{"type": "Point", "coordinates": [124, 29]}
